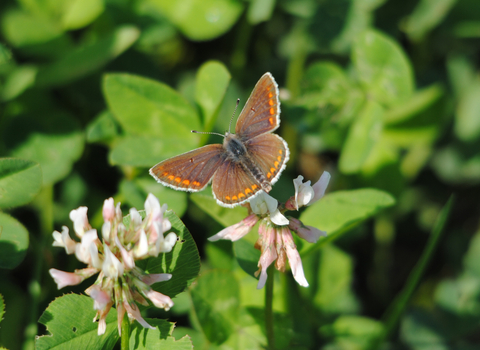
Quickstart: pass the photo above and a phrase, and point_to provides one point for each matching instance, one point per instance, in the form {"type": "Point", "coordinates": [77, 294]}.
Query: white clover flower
{"type": "Point", "coordinates": [120, 282]}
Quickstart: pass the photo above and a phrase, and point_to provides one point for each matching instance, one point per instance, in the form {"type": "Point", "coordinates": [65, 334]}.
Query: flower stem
{"type": "Point", "coordinates": [269, 308]}
{"type": "Point", "coordinates": [124, 343]}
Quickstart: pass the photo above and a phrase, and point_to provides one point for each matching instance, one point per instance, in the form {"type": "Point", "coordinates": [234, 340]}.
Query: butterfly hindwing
{"type": "Point", "coordinates": [270, 153]}
{"type": "Point", "coordinates": [233, 185]}
{"type": "Point", "coordinates": [261, 113]}
{"type": "Point", "coordinates": [190, 171]}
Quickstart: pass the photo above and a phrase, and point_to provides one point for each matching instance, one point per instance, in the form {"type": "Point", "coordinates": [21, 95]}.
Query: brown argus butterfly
{"type": "Point", "coordinates": [249, 161]}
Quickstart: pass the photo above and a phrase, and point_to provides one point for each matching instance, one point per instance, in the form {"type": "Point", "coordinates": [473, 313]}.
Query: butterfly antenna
{"type": "Point", "coordinates": [231, 119]}
{"type": "Point", "coordinates": [205, 132]}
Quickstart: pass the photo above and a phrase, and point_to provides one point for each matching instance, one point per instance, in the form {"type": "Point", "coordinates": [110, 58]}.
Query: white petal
{"type": "Point", "coordinates": [263, 204]}
{"type": "Point", "coordinates": [167, 243]}
{"type": "Point", "coordinates": [112, 267]}
{"type": "Point", "coordinates": [278, 218]}
{"type": "Point", "coordinates": [151, 204]}
{"type": "Point", "coordinates": [141, 248]}
{"type": "Point", "coordinates": [320, 187]}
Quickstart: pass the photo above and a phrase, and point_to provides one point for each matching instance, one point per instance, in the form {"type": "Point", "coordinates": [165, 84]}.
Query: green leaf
{"type": "Point", "coordinates": [362, 137]}
{"type": "Point", "coordinates": [164, 112]}
{"type": "Point", "coordinates": [426, 16]}
{"type": "Point", "coordinates": [247, 256]}
{"type": "Point", "coordinates": [2, 308]}
{"type": "Point", "coordinates": [461, 73]}
{"type": "Point", "coordinates": [137, 190]}
{"type": "Point", "coordinates": [211, 85]}
{"type": "Point", "coordinates": [183, 262]}
{"type": "Point", "coordinates": [260, 11]}
{"type": "Point", "coordinates": [146, 151]}
{"type": "Point", "coordinates": [22, 28]}
{"type": "Point", "coordinates": [222, 215]}
{"type": "Point", "coordinates": [19, 79]}
{"type": "Point", "coordinates": [417, 103]}
{"type": "Point", "coordinates": [53, 139]}
{"type": "Point", "coordinates": [87, 59]}
{"type": "Point", "coordinates": [160, 337]}
{"type": "Point", "coordinates": [217, 308]}
{"type": "Point", "coordinates": [79, 13]}
{"type": "Point", "coordinates": [325, 86]}
{"type": "Point", "coordinates": [382, 68]}
{"type": "Point", "coordinates": [339, 211]}
{"type": "Point", "coordinates": [201, 19]}
{"type": "Point", "coordinates": [334, 274]}
{"type": "Point", "coordinates": [20, 181]}
{"type": "Point", "coordinates": [69, 321]}
{"type": "Point", "coordinates": [467, 117]}
{"type": "Point", "coordinates": [355, 332]}
{"type": "Point", "coordinates": [103, 128]}
{"type": "Point", "coordinates": [13, 242]}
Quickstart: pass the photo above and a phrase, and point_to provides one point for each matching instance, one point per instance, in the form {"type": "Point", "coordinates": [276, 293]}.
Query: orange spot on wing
{"type": "Point", "coordinates": [171, 177]}
{"type": "Point", "coordinates": [186, 182]}
{"type": "Point", "coordinates": [254, 187]}
{"type": "Point", "coordinates": [279, 158]}
{"type": "Point", "coordinates": [272, 111]}
{"type": "Point", "coordinates": [241, 195]}
{"type": "Point", "coordinates": [247, 191]}
{"type": "Point", "coordinates": [270, 120]}
{"type": "Point", "coordinates": [269, 175]}
{"type": "Point", "coordinates": [165, 173]}
{"type": "Point", "coordinates": [276, 165]}
{"type": "Point", "coordinates": [234, 198]}
{"type": "Point", "coordinates": [270, 102]}
{"type": "Point", "coordinates": [280, 151]}
{"type": "Point", "coordinates": [270, 95]}
{"type": "Point", "coordinates": [272, 170]}
{"type": "Point", "coordinates": [177, 179]}
{"type": "Point", "coordinates": [196, 183]}
{"type": "Point", "coordinates": [227, 198]}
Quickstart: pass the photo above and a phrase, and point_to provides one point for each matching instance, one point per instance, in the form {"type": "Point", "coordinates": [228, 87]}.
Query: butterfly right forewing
{"type": "Point", "coordinates": [190, 171]}
{"type": "Point", "coordinates": [261, 113]}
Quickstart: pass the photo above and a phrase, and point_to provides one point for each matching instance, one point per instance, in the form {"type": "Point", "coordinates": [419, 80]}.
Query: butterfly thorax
{"type": "Point", "coordinates": [237, 152]}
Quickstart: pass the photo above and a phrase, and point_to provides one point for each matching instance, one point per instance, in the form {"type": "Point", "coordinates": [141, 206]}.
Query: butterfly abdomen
{"type": "Point", "coordinates": [257, 174]}
{"type": "Point", "coordinates": [237, 152]}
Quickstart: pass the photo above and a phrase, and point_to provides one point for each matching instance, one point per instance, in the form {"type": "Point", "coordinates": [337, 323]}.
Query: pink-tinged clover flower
{"type": "Point", "coordinates": [275, 240]}
{"type": "Point", "coordinates": [119, 281]}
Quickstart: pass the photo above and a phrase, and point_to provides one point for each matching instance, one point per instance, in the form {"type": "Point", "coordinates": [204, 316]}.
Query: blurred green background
{"type": "Point", "coordinates": [383, 94]}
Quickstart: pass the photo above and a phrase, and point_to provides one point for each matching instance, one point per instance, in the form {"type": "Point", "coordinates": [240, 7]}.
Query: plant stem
{"type": "Point", "coordinates": [124, 343]}
{"type": "Point", "coordinates": [396, 309]}
{"type": "Point", "coordinates": [269, 308]}
{"type": "Point", "coordinates": [43, 203]}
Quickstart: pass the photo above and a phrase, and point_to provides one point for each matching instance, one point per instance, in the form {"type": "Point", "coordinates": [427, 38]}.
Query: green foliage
{"type": "Point", "coordinates": [382, 94]}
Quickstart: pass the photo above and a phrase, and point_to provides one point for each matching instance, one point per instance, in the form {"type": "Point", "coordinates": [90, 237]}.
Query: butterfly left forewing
{"type": "Point", "coordinates": [270, 154]}
{"type": "Point", "coordinates": [233, 185]}
{"type": "Point", "coordinates": [190, 171]}
{"type": "Point", "coordinates": [261, 113]}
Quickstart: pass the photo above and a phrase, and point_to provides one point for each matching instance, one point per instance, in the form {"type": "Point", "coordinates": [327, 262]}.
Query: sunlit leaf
{"type": "Point", "coordinates": [163, 111]}
{"type": "Point", "coordinates": [382, 67]}
{"type": "Point", "coordinates": [20, 181]}
{"type": "Point", "coordinates": [362, 137]}
{"type": "Point", "coordinates": [183, 262]}
{"type": "Point", "coordinates": [14, 242]}
{"type": "Point", "coordinates": [69, 321]}
{"type": "Point", "coordinates": [426, 16]}
{"type": "Point", "coordinates": [87, 59]}
{"type": "Point", "coordinates": [201, 19]}
{"type": "Point", "coordinates": [161, 336]}
{"type": "Point", "coordinates": [211, 85]}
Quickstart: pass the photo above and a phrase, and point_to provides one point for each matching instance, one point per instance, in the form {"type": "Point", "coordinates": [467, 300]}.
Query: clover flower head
{"type": "Point", "coordinates": [275, 240]}
{"type": "Point", "coordinates": [119, 281]}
